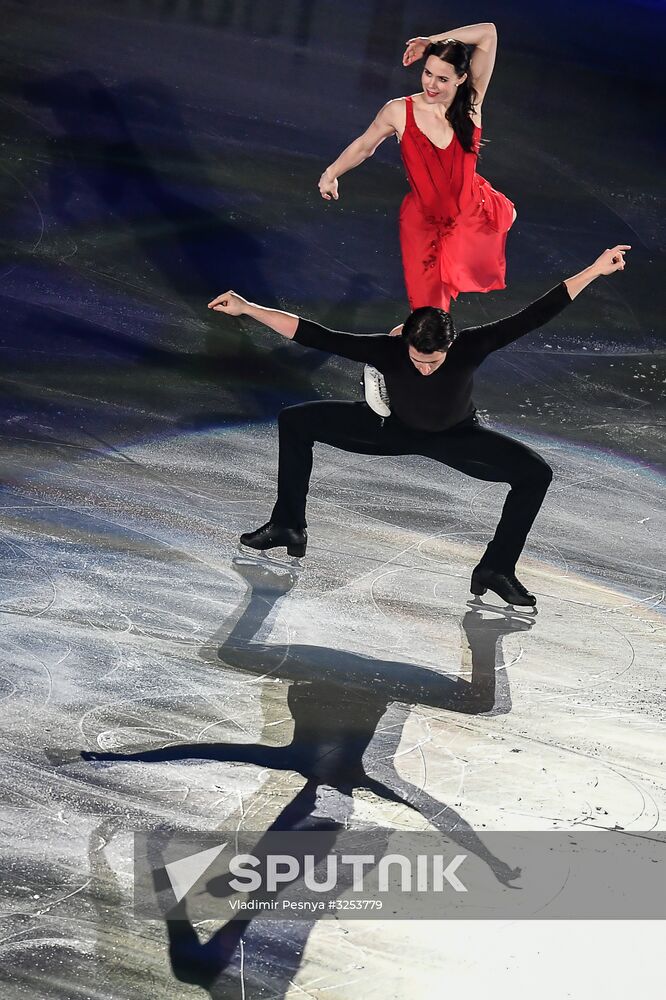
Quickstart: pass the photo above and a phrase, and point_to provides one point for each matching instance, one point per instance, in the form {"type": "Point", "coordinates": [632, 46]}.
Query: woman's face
{"type": "Point", "coordinates": [440, 81]}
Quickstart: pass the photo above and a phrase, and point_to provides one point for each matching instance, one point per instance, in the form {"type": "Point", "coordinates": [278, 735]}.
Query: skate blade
{"type": "Point", "coordinates": [529, 612]}
{"type": "Point", "coordinates": [252, 557]}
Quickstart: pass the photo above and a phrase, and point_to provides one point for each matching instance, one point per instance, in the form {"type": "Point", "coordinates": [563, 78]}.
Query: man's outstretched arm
{"type": "Point", "coordinates": [481, 340]}
{"type": "Point", "coordinates": [607, 263]}
{"type": "Point", "coordinates": [367, 348]}
{"type": "Point", "coordinates": [233, 304]}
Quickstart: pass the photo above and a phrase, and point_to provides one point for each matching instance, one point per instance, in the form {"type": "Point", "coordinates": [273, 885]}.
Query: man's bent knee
{"type": "Point", "coordinates": [536, 473]}
{"type": "Point", "coordinates": [542, 473]}
{"type": "Point", "coordinates": [292, 416]}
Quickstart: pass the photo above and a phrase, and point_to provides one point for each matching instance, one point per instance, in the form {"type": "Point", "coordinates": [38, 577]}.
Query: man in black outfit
{"type": "Point", "coordinates": [429, 372]}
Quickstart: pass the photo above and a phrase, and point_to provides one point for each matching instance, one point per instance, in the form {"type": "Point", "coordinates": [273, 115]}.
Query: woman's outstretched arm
{"type": "Point", "coordinates": [385, 124]}
{"type": "Point", "coordinates": [484, 39]}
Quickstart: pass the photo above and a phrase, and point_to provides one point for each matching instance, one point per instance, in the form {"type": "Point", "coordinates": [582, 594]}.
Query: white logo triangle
{"type": "Point", "coordinates": [185, 873]}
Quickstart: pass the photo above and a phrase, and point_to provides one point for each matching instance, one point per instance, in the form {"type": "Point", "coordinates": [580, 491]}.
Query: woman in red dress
{"type": "Point", "coordinates": [453, 224]}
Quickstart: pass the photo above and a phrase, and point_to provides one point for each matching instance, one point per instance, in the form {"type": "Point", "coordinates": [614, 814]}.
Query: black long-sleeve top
{"type": "Point", "coordinates": [438, 401]}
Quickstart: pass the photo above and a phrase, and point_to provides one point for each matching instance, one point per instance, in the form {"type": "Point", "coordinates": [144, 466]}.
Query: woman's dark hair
{"type": "Point", "coordinates": [428, 329]}
{"type": "Point", "coordinates": [459, 114]}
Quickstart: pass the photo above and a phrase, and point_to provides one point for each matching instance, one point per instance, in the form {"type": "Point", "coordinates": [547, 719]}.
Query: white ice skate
{"type": "Point", "coordinates": [376, 395]}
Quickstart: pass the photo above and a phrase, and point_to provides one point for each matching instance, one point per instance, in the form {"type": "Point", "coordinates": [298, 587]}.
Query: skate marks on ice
{"type": "Point", "coordinates": [330, 761]}
{"type": "Point", "coordinates": [113, 585]}
{"type": "Point", "coordinates": [437, 748]}
{"type": "Point", "coordinates": [587, 686]}
{"type": "Point", "coordinates": [291, 713]}
{"type": "Point", "coordinates": [346, 733]}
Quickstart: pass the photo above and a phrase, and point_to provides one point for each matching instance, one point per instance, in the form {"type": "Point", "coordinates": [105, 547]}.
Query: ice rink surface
{"type": "Point", "coordinates": [154, 154]}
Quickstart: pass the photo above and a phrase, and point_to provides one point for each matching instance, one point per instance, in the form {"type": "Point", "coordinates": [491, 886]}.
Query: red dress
{"type": "Point", "coordinates": [453, 224]}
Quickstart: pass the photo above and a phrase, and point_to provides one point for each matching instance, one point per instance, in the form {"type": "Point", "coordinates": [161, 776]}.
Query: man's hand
{"type": "Point", "coordinates": [414, 50]}
{"type": "Point", "coordinates": [230, 303]}
{"type": "Point", "coordinates": [611, 260]}
{"type": "Point", "coordinates": [233, 304]}
{"type": "Point", "coordinates": [328, 187]}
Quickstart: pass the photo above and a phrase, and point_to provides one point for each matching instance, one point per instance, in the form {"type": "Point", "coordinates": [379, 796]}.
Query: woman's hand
{"type": "Point", "coordinates": [229, 303]}
{"type": "Point", "coordinates": [611, 260]}
{"type": "Point", "coordinates": [414, 50]}
{"type": "Point", "coordinates": [328, 186]}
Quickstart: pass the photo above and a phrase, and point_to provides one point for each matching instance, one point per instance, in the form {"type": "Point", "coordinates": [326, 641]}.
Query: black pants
{"type": "Point", "coordinates": [468, 447]}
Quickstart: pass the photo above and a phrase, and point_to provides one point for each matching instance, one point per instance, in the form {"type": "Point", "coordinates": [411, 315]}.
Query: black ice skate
{"type": "Point", "coordinates": [505, 585]}
{"type": "Point", "coordinates": [271, 536]}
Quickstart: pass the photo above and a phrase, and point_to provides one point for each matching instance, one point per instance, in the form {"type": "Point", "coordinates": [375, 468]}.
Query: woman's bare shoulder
{"type": "Point", "coordinates": [394, 114]}
{"type": "Point", "coordinates": [394, 110]}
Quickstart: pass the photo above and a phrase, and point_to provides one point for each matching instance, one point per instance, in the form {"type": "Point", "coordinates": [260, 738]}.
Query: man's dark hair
{"type": "Point", "coordinates": [428, 330]}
